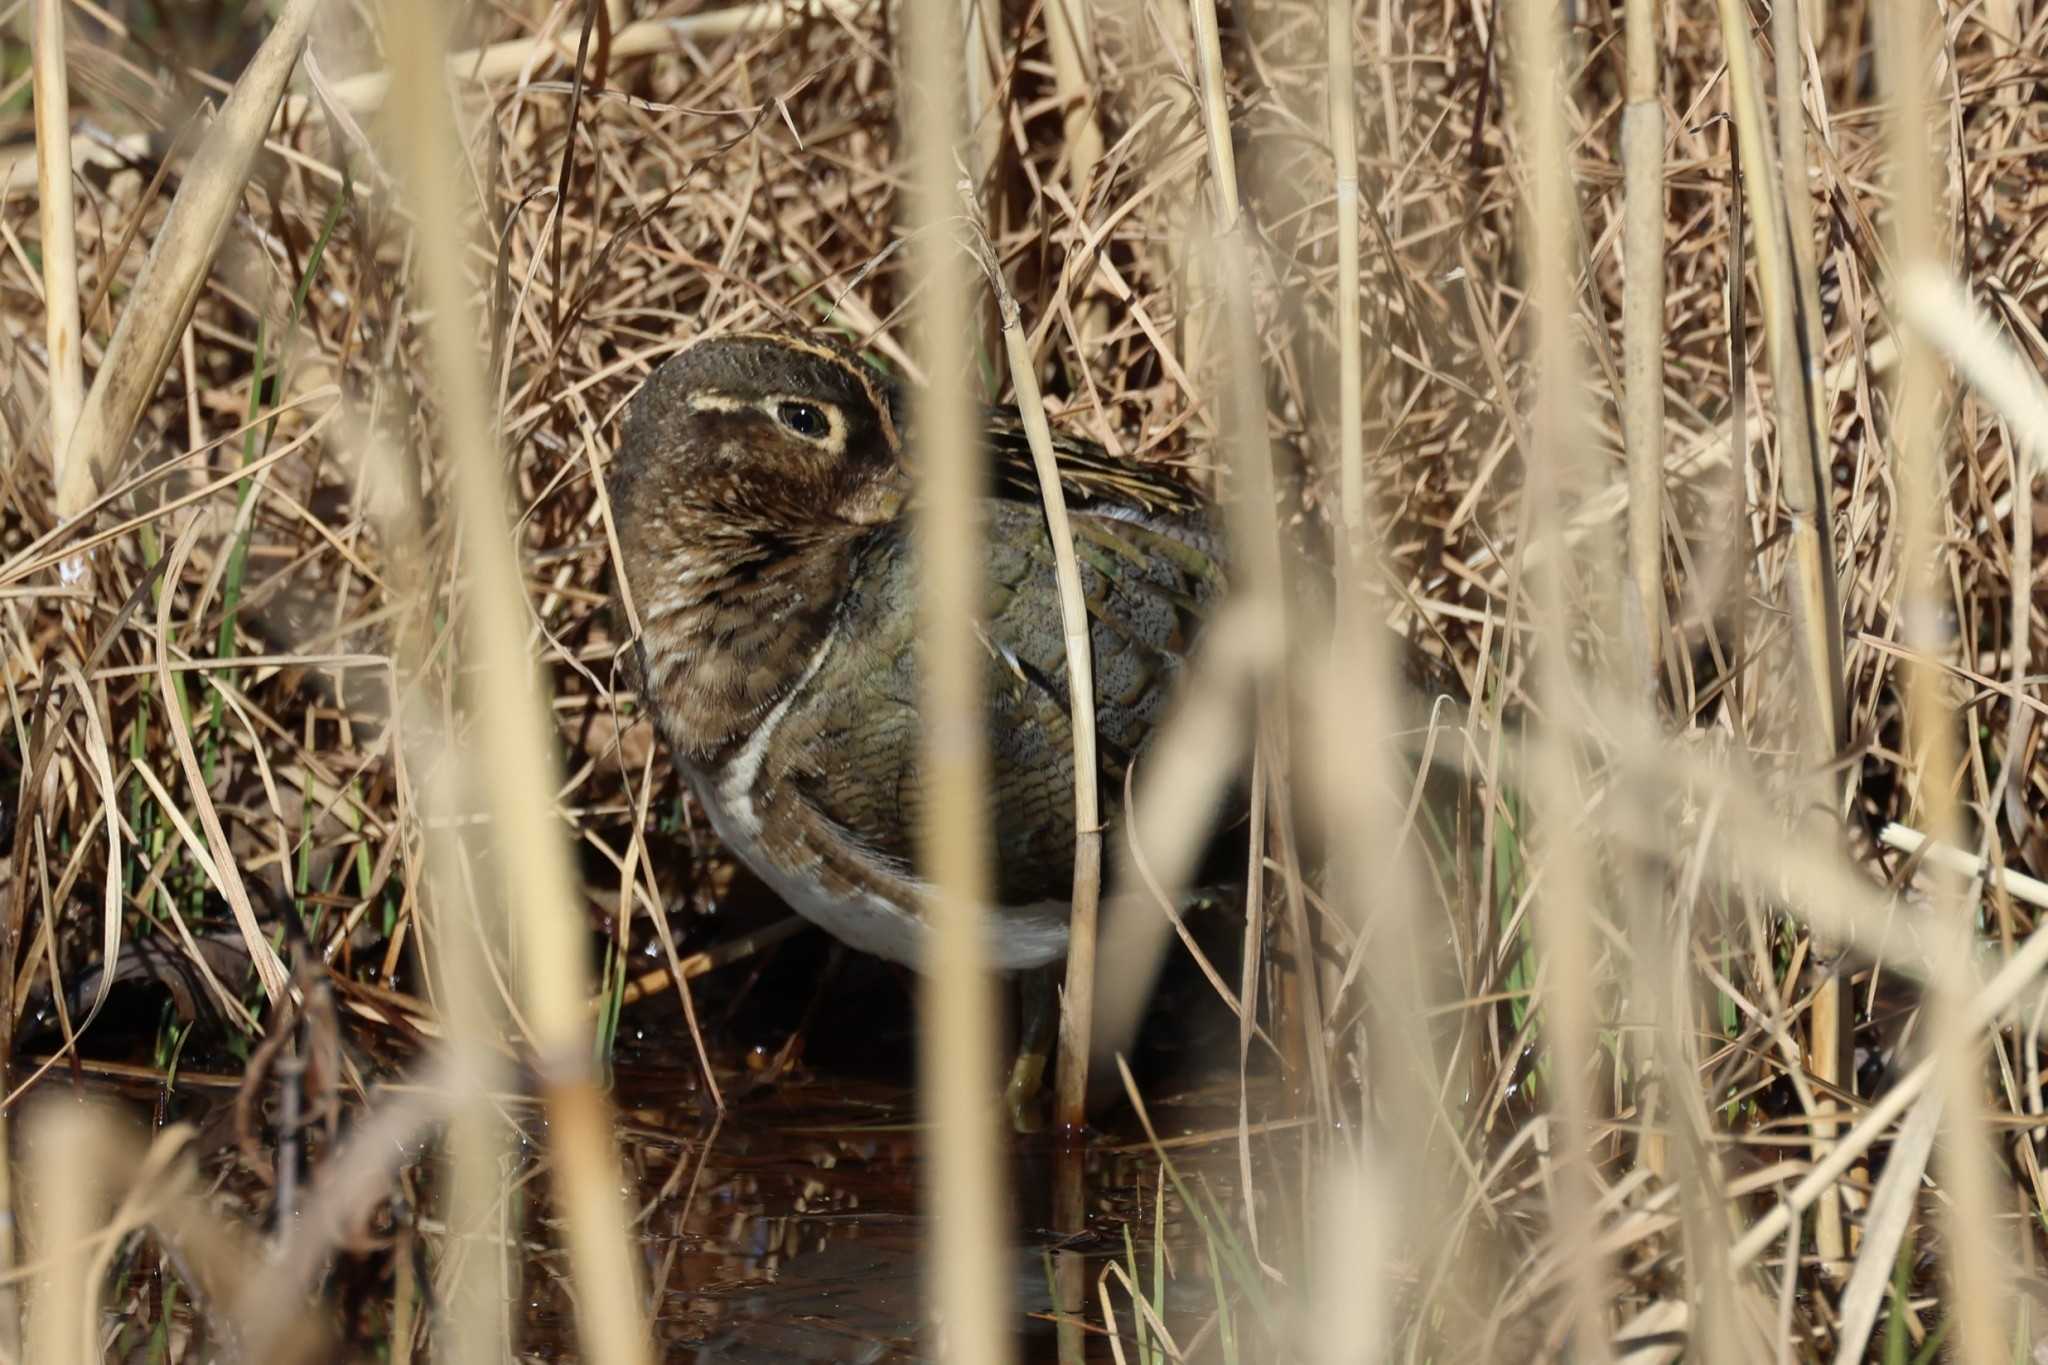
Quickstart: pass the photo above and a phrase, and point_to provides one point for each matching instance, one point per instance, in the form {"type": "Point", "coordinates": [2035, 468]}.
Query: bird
{"type": "Point", "coordinates": [762, 494]}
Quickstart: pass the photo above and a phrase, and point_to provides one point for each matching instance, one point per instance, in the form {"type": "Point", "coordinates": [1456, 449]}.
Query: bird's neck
{"type": "Point", "coordinates": [730, 622]}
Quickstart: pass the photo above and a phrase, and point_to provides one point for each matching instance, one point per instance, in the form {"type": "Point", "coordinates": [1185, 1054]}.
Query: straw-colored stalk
{"type": "Point", "coordinates": [473, 1323]}
{"type": "Point", "coordinates": [1642, 413]}
{"type": "Point", "coordinates": [505, 61]}
{"type": "Point", "coordinates": [67, 382]}
{"type": "Point", "coordinates": [59, 242]}
{"type": "Point", "coordinates": [1814, 597]}
{"type": "Point", "coordinates": [1250, 509]}
{"type": "Point", "coordinates": [1077, 1000]}
{"type": "Point", "coordinates": [1977, 1290]}
{"type": "Point", "coordinates": [1642, 313]}
{"type": "Point", "coordinates": [170, 284]}
{"type": "Point", "coordinates": [515, 769]}
{"type": "Point", "coordinates": [1342, 95]}
{"type": "Point", "coordinates": [957, 1030]}
{"type": "Point", "coordinates": [1788, 336]}
{"type": "Point", "coordinates": [473, 1317]}
{"type": "Point", "coordinates": [70, 1157]}
{"type": "Point", "coordinates": [1187, 771]}
{"type": "Point", "coordinates": [1565, 906]}
{"type": "Point", "coordinates": [1070, 1094]}
{"type": "Point", "coordinates": [1069, 40]}
{"type": "Point", "coordinates": [1828, 1027]}
{"type": "Point", "coordinates": [1938, 307]}
{"type": "Point", "coordinates": [1357, 713]}
{"type": "Point", "coordinates": [1215, 114]}
{"type": "Point", "coordinates": [982, 63]}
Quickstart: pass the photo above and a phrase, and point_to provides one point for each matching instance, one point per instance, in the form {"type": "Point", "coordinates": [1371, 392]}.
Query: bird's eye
{"type": "Point", "coordinates": [805, 419]}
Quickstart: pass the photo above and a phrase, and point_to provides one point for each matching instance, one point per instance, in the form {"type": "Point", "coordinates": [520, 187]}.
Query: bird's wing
{"type": "Point", "coordinates": [1149, 582]}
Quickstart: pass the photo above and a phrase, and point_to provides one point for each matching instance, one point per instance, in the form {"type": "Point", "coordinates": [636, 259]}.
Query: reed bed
{"type": "Point", "coordinates": [1603, 990]}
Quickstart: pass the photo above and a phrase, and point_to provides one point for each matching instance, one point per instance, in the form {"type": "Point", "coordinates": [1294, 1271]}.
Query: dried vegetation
{"type": "Point", "coordinates": [227, 653]}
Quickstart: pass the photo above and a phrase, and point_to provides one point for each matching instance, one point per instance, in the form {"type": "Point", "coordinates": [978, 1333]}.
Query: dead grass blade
{"type": "Point", "coordinates": [169, 287]}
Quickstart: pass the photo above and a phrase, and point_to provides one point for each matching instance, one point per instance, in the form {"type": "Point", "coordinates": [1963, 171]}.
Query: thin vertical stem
{"type": "Point", "coordinates": [1564, 910]}
{"type": "Point", "coordinates": [1978, 1293]}
{"type": "Point", "coordinates": [515, 769]}
{"type": "Point", "coordinates": [1827, 1040]}
{"type": "Point", "coordinates": [1642, 150]}
{"type": "Point", "coordinates": [1255, 539]}
{"type": "Point", "coordinates": [59, 239]}
{"type": "Point", "coordinates": [956, 1027]}
{"type": "Point", "coordinates": [1070, 1093]}
{"type": "Point", "coordinates": [1350, 377]}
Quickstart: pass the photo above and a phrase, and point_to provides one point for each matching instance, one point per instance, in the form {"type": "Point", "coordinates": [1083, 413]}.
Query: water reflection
{"type": "Point", "coordinates": [792, 1230]}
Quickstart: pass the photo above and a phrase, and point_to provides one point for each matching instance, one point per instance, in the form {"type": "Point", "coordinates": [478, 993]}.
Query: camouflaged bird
{"type": "Point", "coordinates": [760, 495]}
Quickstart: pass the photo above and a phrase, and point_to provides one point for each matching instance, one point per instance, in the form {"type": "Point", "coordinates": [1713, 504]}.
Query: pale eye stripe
{"type": "Point", "coordinates": [878, 400]}
{"type": "Point", "coordinates": [710, 401]}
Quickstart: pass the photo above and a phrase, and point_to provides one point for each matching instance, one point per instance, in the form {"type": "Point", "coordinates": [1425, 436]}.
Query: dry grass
{"type": "Point", "coordinates": [255, 700]}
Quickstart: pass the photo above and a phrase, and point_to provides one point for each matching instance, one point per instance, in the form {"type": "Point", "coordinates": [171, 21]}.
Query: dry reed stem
{"type": "Point", "coordinates": [1642, 395]}
{"type": "Point", "coordinates": [69, 1158]}
{"type": "Point", "coordinates": [1831, 1018]}
{"type": "Point", "coordinates": [179, 261]}
{"type": "Point", "coordinates": [968, 1292]}
{"type": "Point", "coordinates": [60, 248]}
{"type": "Point", "coordinates": [1077, 999]}
{"type": "Point", "coordinates": [1977, 1293]}
{"type": "Point", "coordinates": [1343, 114]}
{"type": "Point", "coordinates": [2016, 884]}
{"type": "Point", "coordinates": [1642, 609]}
{"type": "Point", "coordinates": [762, 227]}
{"type": "Point", "coordinates": [1885, 1222]}
{"type": "Point", "coordinates": [1815, 597]}
{"type": "Point", "coordinates": [1251, 513]}
{"type": "Point", "coordinates": [1377, 892]}
{"type": "Point", "coordinates": [1939, 307]}
{"type": "Point", "coordinates": [982, 64]}
{"type": "Point", "coordinates": [1788, 337]}
{"type": "Point", "coordinates": [519, 56]}
{"type": "Point", "coordinates": [1077, 1002]}
{"type": "Point", "coordinates": [1070, 42]}
{"type": "Point", "coordinates": [514, 769]}
{"type": "Point", "coordinates": [1188, 769]}
{"type": "Point", "coordinates": [474, 1316]}
{"type": "Point", "coordinates": [1567, 905]}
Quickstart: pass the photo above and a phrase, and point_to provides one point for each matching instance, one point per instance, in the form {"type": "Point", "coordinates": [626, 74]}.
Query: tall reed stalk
{"type": "Point", "coordinates": [1642, 153]}
{"type": "Point", "coordinates": [964, 1193]}
{"type": "Point", "coordinates": [514, 768]}
{"type": "Point", "coordinates": [59, 240]}
{"type": "Point", "coordinates": [1977, 1297]}
{"type": "Point", "coordinates": [1566, 906]}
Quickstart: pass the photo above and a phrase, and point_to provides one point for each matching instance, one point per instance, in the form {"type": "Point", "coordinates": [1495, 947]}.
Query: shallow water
{"type": "Point", "coordinates": [791, 1227]}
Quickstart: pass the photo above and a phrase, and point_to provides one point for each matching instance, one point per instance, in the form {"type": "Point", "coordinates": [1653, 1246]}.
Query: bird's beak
{"type": "Point", "coordinates": [880, 502]}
